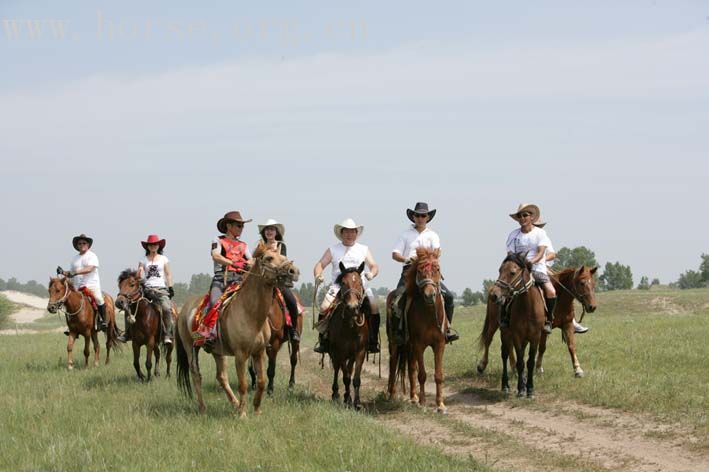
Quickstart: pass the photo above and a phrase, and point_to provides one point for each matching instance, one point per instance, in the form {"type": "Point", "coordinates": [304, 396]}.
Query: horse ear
{"type": "Point", "coordinates": [360, 268]}
{"type": "Point", "coordinates": [578, 272]}
{"type": "Point", "coordinates": [342, 267]}
{"type": "Point", "coordinates": [593, 271]}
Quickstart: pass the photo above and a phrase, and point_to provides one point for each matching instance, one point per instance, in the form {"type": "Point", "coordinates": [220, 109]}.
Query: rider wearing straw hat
{"type": "Point", "coordinates": [418, 235]}
{"type": "Point", "coordinates": [272, 236]}
{"type": "Point", "coordinates": [549, 258]}
{"type": "Point", "coordinates": [351, 254]}
{"type": "Point", "coordinates": [154, 270]}
{"type": "Point", "coordinates": [532, 240]}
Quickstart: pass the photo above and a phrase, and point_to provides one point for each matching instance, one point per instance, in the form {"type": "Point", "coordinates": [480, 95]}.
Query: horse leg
{"type": "Point", "coordinates": [520, 369]}
{"type": "Point", "coordinates": [240, 359]}
{"type": "Point", "coordinates": [489, 329]}
{"type": "Point", "coordinates": [571, 345]}
{"type": "Point", "coordinates": [197, 378]}
{"type": "Point", "coordinates": [542, 350]}
{"type": "Point", "coordinates": [357, 380]}
{"type": "Point", "coordinates": [530, 369]}
{"type": "Point", "coordinates": [87, 350]}
{"type": "Point", "coordinates": [70, 351]}
{"type": "Point", "coordinates": [223, 380]}
{"type": "Point", "coordinates": [413, 369]}
{"type": "Point", "coordinates": [271, 371]}
{"type": "Point", "coordinates": [421, 376]}
{"type": "Point", "coordinates": [150, 347]}
{"type": "Point", "coordinates": [505, 353]}
{"type": "Point", "coordinates": [295, 347]}
{"type": "Point", "coordinates": [168, 358]}
{"type": "Point", "coordinates": [347, 379]}
{"type": "Point", "coordinates": [156, 350]}
{"type": "Point", "coordinates": [259, 360]}
{"type": "Point", "coordinates": [136, 361]}
{"type": "Point", "coordinates": [393, 369]}
{"type": "Point", "coordinates": [335, 383]}
{"type": "Point", "coordinates": [97, 348]}
{"type": "Point", "coordinates": [438, 376]}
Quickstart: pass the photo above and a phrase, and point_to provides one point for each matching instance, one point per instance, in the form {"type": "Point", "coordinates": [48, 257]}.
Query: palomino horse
{"type": "Point", "coordinates": [147, 328]}
{"type": "Point", "coordinates": [348, 332]}
{"type": "Point", "coordinates": [244, 331]}
{"type": "Point", "coordinates": [570, 284]}
{"type": "Point", "coordinates": [426, 323]}
{"type": "Point", "coordinates": [514, 290]}
{"type": "Point", "coordinates": [80, 319]}
{"type": "Point", "coordinates": [279, 337]}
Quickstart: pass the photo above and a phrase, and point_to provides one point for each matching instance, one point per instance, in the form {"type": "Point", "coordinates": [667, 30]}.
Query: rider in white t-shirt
{"type": "Point", "coordinates": [351, 254]}
{"type": "Point", "coordinates": [550, 256]}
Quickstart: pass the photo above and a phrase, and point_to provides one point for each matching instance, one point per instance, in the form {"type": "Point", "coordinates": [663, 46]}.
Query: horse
{"type": "Point", "coordinates": [348, 333]}
{"type": "Point", "coordinates": [570, 284]}
{"type": "Point", "coordinates": [514, 290]}
{"type": "Point", "coordinates": [244, 331]}
{"type": "Point", "coordinates": [147, 328]}
{"type": "Point", "coordinates": [80, 319]}
{"type": "Point", "coordinates": [279, 337]}
{"type": "Point", "coordinates": [426, 325]}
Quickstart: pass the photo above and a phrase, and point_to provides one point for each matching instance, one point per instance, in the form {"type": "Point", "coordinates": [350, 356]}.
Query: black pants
{"type": "Point", "coordinates": [291, 304]}
{"type": "Point", "coordinates": [448, 304]}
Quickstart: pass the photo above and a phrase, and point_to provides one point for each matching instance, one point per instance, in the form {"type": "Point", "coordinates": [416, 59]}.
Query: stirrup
{"type": "Point", "coordinates": [547, 327]}
{"type": "Point", "coordinates": [294, 336]}
{"type": "Point", "coordinates": [208, 345]}
{"type": "Point", "coordinates": [452, 335]}
{"type": "Point", "coordinates": [321, 347]}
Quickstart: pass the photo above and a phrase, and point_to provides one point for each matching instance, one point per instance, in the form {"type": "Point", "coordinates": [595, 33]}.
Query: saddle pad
{"type": "Point", "coordinates": [87, 293]}
{"type": "Point", "coordinates": [204, 321]}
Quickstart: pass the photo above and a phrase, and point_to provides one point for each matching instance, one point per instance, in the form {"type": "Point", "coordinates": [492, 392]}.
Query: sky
{"type": "Point", "coordinates": [120, 120]}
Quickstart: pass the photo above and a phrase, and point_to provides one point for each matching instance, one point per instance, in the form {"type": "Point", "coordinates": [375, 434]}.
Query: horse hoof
{"type": "Point", "coordinates": [257, 413]}
{"type": "Point", "coordinates": [530, 395]}
{"type": "Point", "coordinates": [269, 392]}
{"type": "Point", "coordinates": [481, 369]}
{"type": "Point", "coordinates": [540, 370]}
{"type": "Point", "coordinates": [202, 410]}
{"type": "Point", "coordinates": [579, 374]}
{"type": "Point", "coordinates": [442, 409]}
{"type": "Point", "coordinates": [506, 391]}
{"type": "Point", "coordinates": [70, 367]}
{"type": "Point", "coordinates": [521, 394]}
{"type": "Point", "coordinates": [358, 407]}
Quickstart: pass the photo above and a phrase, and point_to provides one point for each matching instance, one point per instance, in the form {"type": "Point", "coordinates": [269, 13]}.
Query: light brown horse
{"type": "Point", "coordinates": [244, 331]}
{"type": "Point", "coordinates": [514, 290]}
{"type": "Point", "coordinates": [147, 329]}
{"type": "Point", "coordinates": [80, 319]}
{"type": "Point", "coordinates": [570, 284]}
{"type": "Point", "coordinates": [348, 332]}
{"type": "Point", "coordinates": [426, 325]}
{"type": "Point", "coordinates": [279, 337]}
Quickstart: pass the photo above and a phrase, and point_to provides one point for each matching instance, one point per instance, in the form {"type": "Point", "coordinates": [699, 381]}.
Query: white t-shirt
{"type": "Point", "coordinates": [411, 239]}
{"type": "Point", "coordinates": [154, 272]}
{"type": "Point", "coordinates": [518, 242]}
{"type": "Point", "coordinates": [91, 279]}
{"type": "Point", "coordinates": [549, 250]}
{"type": "Point", "coordinates": [350, 256]}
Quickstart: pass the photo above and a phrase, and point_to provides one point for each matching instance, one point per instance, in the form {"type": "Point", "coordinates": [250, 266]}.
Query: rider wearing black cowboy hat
{"type": "Point", "coordinates": [419, 235]}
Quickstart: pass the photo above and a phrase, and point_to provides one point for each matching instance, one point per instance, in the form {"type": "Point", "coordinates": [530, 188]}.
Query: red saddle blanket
{"type": "Point", "coordinates": [87, 293]}
{"type": "Point", "coordinates": [205, 320]}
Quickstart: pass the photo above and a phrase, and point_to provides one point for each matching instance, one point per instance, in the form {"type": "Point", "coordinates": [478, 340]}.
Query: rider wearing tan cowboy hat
{"type": "Point", "coordinates": [532, 240]}
{"type": "Point", "coordinates": [418, 235]}
{"type": "Point", "coordinates": [351, 254]}
{"type": "Point", "coordinates": [156, 274]}
{"type": "Point", "coordinates": [272, 233]}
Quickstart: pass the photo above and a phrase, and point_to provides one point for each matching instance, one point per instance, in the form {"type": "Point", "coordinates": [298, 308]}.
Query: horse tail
{"type": "Point", "coordinates": [489, 327]}
{"type": "Point", "coordinates": [400, 360]}
{"type": "Point", "coordinates": [183, 367]}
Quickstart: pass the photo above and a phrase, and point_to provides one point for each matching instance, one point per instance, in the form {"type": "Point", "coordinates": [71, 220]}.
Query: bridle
{"type": "Point", "coordinates": [516, 286]}
{"type": "Point", "coordinates": [421, 283]}
{"type": "Point", "coordinates": [358, 318]}
{"type": "Point", "coordinates": [60, 305]}
{"type": "Point", "coordinates": [580, 298]}
{"type": "Point", "coordinates": [134, 299]}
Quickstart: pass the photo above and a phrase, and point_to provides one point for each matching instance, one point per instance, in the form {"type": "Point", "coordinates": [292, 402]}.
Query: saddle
{"type": "Point", "coordinates": [205, 320]}
{"type": "Point", "coordinates": [90, 296]}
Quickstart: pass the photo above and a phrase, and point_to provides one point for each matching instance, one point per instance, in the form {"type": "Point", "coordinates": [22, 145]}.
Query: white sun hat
{"type": "Point", "coordinates": [271, 222]}
{"type": "Point", "coordinates": [349, 223]}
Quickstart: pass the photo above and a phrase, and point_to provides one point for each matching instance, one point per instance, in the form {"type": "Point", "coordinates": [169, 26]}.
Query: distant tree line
{"type": "Point", "coordinates": [33, 287]}
{"type": "Point", "coordinates": [695, 278]}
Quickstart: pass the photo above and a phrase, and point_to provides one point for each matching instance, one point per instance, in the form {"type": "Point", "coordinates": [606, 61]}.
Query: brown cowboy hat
{"type": "Point", "coordinates": [421, 208]}
{"type": "Point", "coordinates": [532, 210]}
{"type": "Point", "coordinates": [81, 237]}
{"type": "Point", "coordinates": [153, 239]}
{"type": "Point", "coordinates": [231, 216]}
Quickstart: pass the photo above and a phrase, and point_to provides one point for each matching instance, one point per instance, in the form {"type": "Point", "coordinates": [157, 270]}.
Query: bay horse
{"type": "Point", "coordinates": [81, 319]}
{"type": "Point", "coordinates": [425, 326]}
{"type": "Point", "coordinates": [243, 324]}
{"type": "Point", "coordinates": [147, 329]}
{"type": "Point", "coordinates": [514, 290]}
{"type": "Point", "coordinates": [279, 337]}
{"type": "Point", "coordinates": [570, 284]}
{"type": "Point", "coordinates": [348, 333]}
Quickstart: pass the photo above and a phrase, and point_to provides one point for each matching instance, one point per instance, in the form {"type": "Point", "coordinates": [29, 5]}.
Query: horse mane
{"type": "Point", "coordinates": [423, 256]}
{"type": "Point", "coordinates": [520, 259]}
{"type": "Point", "coordinates": [64, 280]}
{"type": "Point", "coordinates": [260, 250]}
{"type": "Point", "coordinates": [127, 273]}
{"type": "Point", "coordinates": [348, 270]}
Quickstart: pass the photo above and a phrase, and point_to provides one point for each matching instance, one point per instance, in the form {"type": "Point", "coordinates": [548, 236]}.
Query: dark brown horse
{"type": "Point", "coordinates": [279, 337]}
{"type": "Point", "coordinates": [426, 325]}
{"type": "Point", "coordinates": [348, 332]}
{"type": "Point", "coordinates": [570, 284]}
{"type": "Point", "coordinates": [514, 290]}
{"type": "Point", "coordinates": [80, 319]}
{"type": "Point", "coordinates": [146, 328]}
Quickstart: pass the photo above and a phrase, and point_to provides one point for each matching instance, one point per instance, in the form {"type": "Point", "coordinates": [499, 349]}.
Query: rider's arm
{"type": "Point", "coordinates": [372, 264]}
{"type": "Point", "coordinates": [84, 270]}
{"type": "Point", "coordinates": [168, 275]}
{"type": "Point", "coordinates": [141, 270]}
{"type": "Point", "coordinates": [551, 255]}
{"type": "Point", "coordinates": [398, 257]}
{"type": "Point", "coordinates": [397, 252]}
{"type": "Point", "coordinates": [541, 250]}
{"type": "Point", "coordinates": [322, 263]}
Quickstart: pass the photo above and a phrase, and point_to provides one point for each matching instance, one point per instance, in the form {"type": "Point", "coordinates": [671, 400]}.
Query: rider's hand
{"type": "Point", "coordinates": [368, 275]}
{"type": "Point", "coordinates": [69, 274]}
{"type": "Point", "coordinates": [60, 271]}
{"type": "Point", "coordinates": [319, 279]}
{"type": "Point", "coordinates": [171, 291]}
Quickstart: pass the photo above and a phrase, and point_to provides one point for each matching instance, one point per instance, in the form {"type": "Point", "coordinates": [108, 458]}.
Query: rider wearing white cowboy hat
{"type": "Point", "coordinates": [532, 240]}
{"type": "Point", "coordinates": [351, 254]}
{"type": "Point", "coordinates": [418, 235]}
{"type": "Point", "coordinates": [272, 233]}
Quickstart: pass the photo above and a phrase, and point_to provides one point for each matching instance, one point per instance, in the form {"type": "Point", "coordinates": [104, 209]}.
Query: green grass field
{"type": "Point", "coordinates": [6, 308]}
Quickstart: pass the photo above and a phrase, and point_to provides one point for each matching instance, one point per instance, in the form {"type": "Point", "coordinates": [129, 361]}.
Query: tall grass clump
{"type": "Point", "coordinates": [6, 308]}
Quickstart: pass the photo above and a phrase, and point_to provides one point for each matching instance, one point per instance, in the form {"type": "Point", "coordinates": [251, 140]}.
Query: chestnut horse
{"type": "Point", "coordinates": [243, 324]}
{"type": "Point", "coordinates": [279, 337]}
{"type": "Point", "coordinates": [514, 290]}
{"type": "Point", "coordinates": [348, 333]}
{"type": "Point", "coordinates": [80, 319]}
{"type": "Point", "coordinates": [426, 324]}
{"type": "Point", "coordinates": [570, 284]}
{"type": "Point", "coordinates": [147, 329]}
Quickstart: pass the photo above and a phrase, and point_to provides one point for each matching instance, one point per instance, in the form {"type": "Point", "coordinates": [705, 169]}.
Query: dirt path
{"type": "Point", "coordinates": [508, 434]}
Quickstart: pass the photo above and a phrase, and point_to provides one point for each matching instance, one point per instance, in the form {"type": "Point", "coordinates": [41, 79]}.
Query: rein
{"type": "Point", "coordinates": [517, 286]}
{"type": "Point", "coordinates": [60, 305]}
{"type": "Point", "coordinates": [422, 283]}
{"type": "Point", "coordinates": [575, 296]}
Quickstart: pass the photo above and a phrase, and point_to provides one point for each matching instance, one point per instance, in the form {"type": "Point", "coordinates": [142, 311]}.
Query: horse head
{"type": "Point", "coordinates": [274, 267]}
{"type": "Point", "coordinates": [58, 288]}
{"type": "Point", "coordinates": [130, 289]}
{"type": "Point", "coordinates": [584, 285]}
{"type": "Point", "coordinates": [352, 288]}
{"type": "Point", "coordinates": [428, 273]}
{"type": "Point", "coordinates": [510, 281]}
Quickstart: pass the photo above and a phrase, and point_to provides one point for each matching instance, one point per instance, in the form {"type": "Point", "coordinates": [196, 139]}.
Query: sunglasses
{"type": "Point", "coordinates": [82, 243]}
{"type": "Point", "coordinates": [524, 215]}
{"type": "Point", "coordinates": [237, 224]}
{"type": "Point", "coordinates": [419, 215]}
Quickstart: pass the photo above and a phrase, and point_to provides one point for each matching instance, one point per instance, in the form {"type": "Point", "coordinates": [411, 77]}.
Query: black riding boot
{"type": "Point", "coordinates": [374, 320]}
{"type": "Point", "coordinates": [323, 344]}
{"type": "Point", "coordinates": [103, 325]}
{"type": "Point", "coordinates": [294, 336]}
{"type": "Point", "coordinates": [125, 335]}
{"type": "Point", "coordinates": [551, 303]}
{"type": "Point", "coordinates": [398, 325]}
{"type": "Point", "coordinates": [451, 334]}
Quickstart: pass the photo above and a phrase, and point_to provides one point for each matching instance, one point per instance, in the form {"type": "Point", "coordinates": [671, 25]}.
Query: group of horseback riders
{"type": "Point", "coordinates": [232, 259]}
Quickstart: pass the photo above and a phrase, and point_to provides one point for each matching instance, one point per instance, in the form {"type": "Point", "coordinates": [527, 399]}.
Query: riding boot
{"type": "Point", "coordinates": [294, 336]}
{"type": "Point", "coordinates": [374, 320]}
{"type": "Point", "coordinates": [103, 325]}
{"type": "Point", "coordinates": [399, 312]}
{"type": "Point", "coordinates": [323, 344]}
{"type": "Point", "coordinates": [551, 303]}
{"type": "Point", "coordinates": [451, 334]}
{"type": "Point", "coordinates": [125, 335]}
{"type": "Point", "coordinates": [169, 327]}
